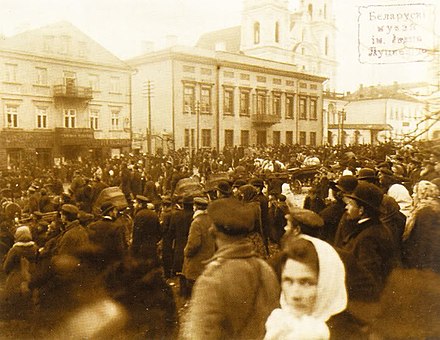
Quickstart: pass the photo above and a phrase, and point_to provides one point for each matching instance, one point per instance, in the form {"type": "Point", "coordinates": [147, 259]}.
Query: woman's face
{"type": "Point", "coordinates": [299, 284]}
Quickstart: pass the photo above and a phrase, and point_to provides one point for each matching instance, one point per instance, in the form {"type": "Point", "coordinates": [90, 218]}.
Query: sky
{"type": "Point", "coordinates": [124, 26]}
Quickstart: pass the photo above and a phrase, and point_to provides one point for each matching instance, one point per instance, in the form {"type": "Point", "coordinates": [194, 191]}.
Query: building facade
{"type": "Point", "coordinates": [63, 97]}
{"type": "Point", "coordinates": [205, 99]}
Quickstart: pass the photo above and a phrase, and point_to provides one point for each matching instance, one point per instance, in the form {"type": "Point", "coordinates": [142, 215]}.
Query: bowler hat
{"type": "Point", "coordinates": [367, 194]}
{"type": "Point", "coordinates": [224, 187]}
{"type": "Point", "coordinates": [70, 209]}
{"type": "Point", "coordinates": [231, 216]}
{"type": "Point", "coordinates": [346, 183]}
{"type": "Point", "coordinates": [366, 173]}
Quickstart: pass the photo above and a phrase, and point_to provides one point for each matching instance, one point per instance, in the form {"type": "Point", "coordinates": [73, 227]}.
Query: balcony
{"type": "Point", "coordinates": [265, 119]}
{"type": "Point", "coordinates": [72, 92]}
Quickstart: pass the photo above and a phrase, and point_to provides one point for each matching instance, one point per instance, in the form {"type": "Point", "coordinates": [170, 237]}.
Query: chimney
{"type": "Point", "coordinates": [171, 40]}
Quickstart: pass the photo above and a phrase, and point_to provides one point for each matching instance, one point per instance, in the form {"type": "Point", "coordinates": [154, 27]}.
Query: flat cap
{"type": "Point", "coordinates": [231, 216]}
{"type": "Point", "coordinates": [306, 217]}
{"type": "Point", "coordinates": [70, 208]}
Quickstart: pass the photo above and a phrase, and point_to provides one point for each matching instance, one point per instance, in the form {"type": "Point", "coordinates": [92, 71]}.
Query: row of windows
{"type": "Point", "coordinates": [70, 118]}
{"type": "Point", "coordinates": [261, 104]}
{"type": "Point", "coordinates": [64, 45]}
{"type": "Point", "coordinates": [41, 78]}
{"type": "Point", "coordinates": [190, 138]}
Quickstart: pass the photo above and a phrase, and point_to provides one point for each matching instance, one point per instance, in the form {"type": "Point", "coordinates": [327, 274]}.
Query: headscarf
{"type": "Point", "coordinates": [331, 299]}
{"type": "Point", "coordinates": [425, 194]}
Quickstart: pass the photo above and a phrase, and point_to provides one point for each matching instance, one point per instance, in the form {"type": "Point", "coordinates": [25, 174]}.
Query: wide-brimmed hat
{"type": "Point", "coordinates": [367, 194]}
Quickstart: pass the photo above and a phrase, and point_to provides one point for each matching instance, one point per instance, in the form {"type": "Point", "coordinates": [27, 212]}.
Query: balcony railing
{"type": "Point", "coordinates": [72, 91]}
{"type": "Point", "coordinates": [265, 119]}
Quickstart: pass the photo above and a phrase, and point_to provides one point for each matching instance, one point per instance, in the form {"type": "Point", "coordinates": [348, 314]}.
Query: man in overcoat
{"type": "Point", "coordinates": [237, 291]}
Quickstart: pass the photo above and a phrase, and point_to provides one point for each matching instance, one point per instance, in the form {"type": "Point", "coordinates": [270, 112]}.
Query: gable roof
{"type": "Point", "coordinates": [48, 41]}
{"type": "Point", "coordinates": [231, 37]}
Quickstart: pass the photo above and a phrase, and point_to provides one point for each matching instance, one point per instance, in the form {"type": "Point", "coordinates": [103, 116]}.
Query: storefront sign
{"type": "Point", "coordinates": [396, 33]}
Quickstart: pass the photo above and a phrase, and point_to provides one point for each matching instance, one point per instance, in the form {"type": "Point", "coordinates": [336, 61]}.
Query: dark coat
{"type": "Point", "coordinates": [331, 215]}
{"type": "Point", "coordinates": [422, 249]}
{"type": "Point", "coordinates": [146, 234]}
{"type": "Point", "coordinates": [367, 251]}
{"type": "Point", "coordinates": [200, 246]}
{"type": "Point", "coordinates": [73, 239]}
{"type": "Point", "coordinates": [178, 231]}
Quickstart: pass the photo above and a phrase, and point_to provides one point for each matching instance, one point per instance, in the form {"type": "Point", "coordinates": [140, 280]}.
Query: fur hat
{"type": "Point", "coordinates": [367, 194]}
{"type": "Point", "coordinates": [231, 216]}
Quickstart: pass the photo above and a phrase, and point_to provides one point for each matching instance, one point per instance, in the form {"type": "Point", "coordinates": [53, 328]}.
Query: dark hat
{"type": "Point", "coordinates": [106, 207]}
{"type": "Point", "coordinates": [224, 187]}
{"type": "Point", "coordinates": [70, 208]}
{"type": "Point", "coordinates": [305, 217]}
{"type": "Point", "coordinates": [257, 182]}
{"type": "Point", "coordinates": [238, 183]}
{"type": "Point", "coordinates": [84, 217]}
{"type": "Point", "coordinates": [385, 165]}
{"type": "Point", "coordinates": [368, 194]}
{"type": "Point", "coordinates": [231, 216]}
{"type": "Point", "coordinates": [200, 201]}
{"type": "Point", "coordinates": [386, 172]}
{"type": "Point", "coordinates": [346, 183]}
{"type": "Point", "coordinates": [366, 173]}
{"type": "Point", "coordinates": [142, 199]}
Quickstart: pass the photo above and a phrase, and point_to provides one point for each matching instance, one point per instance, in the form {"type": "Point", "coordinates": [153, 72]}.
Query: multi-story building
{"type": "Point", "coordinates": [205, 98]}
{"type": "Point", "coordinates": [377, 114]}
{"type": "Point", "coordinates": [62, 97]}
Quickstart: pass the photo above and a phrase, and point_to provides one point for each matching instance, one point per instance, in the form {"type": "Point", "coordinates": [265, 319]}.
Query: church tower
{"type": "Point", "coordinates": [265, 29]}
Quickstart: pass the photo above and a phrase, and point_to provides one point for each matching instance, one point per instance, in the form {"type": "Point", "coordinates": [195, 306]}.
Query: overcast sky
{"type": "Point", "coordinates": [122, 27]}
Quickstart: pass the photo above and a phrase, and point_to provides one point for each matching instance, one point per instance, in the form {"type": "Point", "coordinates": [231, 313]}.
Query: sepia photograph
{"type": "Point", "coordinates": [242, 169]}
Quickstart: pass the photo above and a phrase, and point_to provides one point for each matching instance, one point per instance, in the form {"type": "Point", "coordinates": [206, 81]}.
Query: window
{"type": "Point", "coordinates": [244, 103]}
{"type": "Point", "coordinates": [261, 103]}
{"type": "Point", "coordinates": [206, 138]}
{"type": "Point", "coordinates": [65, 44]}
{"type": "Point", "coordinates": [277, 104]}
{"type": "Point", "coordinates": [11, 73]}
{"type": "Point", "coordinates": [228, 74]}
{"type": "Point", "coordinates": [206, 71]}
{"type": "Point", "coordinates": [256, 33]}
{"type": "Point", "coordinates": [82, 48]}
{"type": "Point", "coordinates": [244, 138]}
{"type": "Point", "coordinates": [313, 138]}
{"type": "Point", "coordinates": [41, 76]}
{"type": "Point", "coordinates": [289, 137]}
{"type": "Point", "coordinates": [186, 138]}
{"type": "Point", "coordinates": [276, 138]}
{"type": "Point", "coordinates": [313, 109]}
{"type": "Point", "coordinates": [69, 118]}
{"type": "Point", "coordinates": [277, 32]}
{"type": "Point", "coordinates": [94, 82]}
{"type": "Point", "coordinates": [326, 46]}
{"type": "Point", "coordinates": [12, 116]}
{"type": "Point", "coordinates": [115, 85]}
{"type": "Point", "coordinates": [289, 107]}
{"type": "Point", "coordinates": [115, 119]}
{"type": "Point", "coordinates": [48, 43]}
{"type": "Point", "coordinates": [190, 69]}
{"type": "Point", "coordinates": [205, 100]}
{"type": "Point", "coordinates": [302, 108]}
{"type": "Point", "coordinates": [193, 137]}
{"type": "Point", "coordinates": [188, 99]}
{"type": "Point", "coordinates": [229, 138]}
{"type": "Point", "coordinates": [94, 119]}
{"type": "Point", "coordinates": [41, 117]}
{"type": "Point", "coordinates": [228, 107]}
{"type": "Point", "coordinates": [244, 76]}
{"type": "Point", "coordinates": [302, 138]}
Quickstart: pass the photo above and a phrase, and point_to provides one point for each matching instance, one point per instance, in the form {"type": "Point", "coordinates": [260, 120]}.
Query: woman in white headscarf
{"type": "Point", "coordinates": [312, 290]}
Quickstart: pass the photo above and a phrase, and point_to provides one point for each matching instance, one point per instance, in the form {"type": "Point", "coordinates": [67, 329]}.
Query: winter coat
{"type": "Point", "coordinates": [200, 246]}
{"type": "Point", "coordinates": [178, 231]}
{"type": "Point", "coordinates": [368, 253]}
{"type": "Point", "coordinates": [234, 296]}
{"type": "Point", "coordinates": [146, 234]}
{"type": "Point", "coordinates": [73, 239]}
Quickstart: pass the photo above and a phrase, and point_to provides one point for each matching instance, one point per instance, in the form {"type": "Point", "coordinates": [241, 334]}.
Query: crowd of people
{"type": "Point", "coordinates": [215, 245]}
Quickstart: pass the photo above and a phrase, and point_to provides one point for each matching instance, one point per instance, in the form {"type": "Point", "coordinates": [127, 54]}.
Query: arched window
{"type": "Point", "coordinates": [277, 32]}
{"type": "Point", "coordinates": [310, 10]}
{"type": "Point", "coordinates": [326, 46]}
{"type": "Point", "coordinates": [257, 33]}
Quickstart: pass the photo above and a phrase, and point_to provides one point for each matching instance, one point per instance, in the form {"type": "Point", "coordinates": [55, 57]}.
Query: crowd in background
{"type": "Point", "coordinates": [77, 265]}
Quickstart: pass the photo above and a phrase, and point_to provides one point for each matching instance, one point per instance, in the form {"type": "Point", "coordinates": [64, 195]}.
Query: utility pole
{"type": "Point", "coordinates": [197, 124]}
{"type": "Point", "coordinates": [148, 87]}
